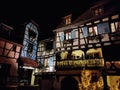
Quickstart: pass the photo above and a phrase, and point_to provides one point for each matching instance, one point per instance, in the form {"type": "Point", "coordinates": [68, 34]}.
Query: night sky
{"type": "Point", "coordinates": [46, 13]}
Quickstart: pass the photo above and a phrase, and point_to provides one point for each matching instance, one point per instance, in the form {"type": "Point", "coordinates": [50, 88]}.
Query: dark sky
{"type": "Point", "coordinates": [46, 13]}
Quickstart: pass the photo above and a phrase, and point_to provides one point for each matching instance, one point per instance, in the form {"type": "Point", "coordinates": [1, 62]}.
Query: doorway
{"type": "Point", "coordinates": [69, 83]}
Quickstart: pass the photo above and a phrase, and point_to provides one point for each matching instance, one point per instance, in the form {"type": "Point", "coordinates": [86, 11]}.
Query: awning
{"type": "Point", "coordinates": [29, 62]}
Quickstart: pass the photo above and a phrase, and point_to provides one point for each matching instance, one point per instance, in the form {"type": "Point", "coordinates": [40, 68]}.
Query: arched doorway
{"type": "Point", "coordinates": [69, 83]}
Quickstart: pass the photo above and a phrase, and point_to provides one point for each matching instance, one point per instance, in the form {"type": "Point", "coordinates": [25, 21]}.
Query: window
{"type": "Point", "coordinates": [32, 34]}
{"type": "Point", "coordinates": [93, 31]}
{"type": "Point", "coordinates": [61, 36]}
{"type": "Point", "coordinates": [42, 60]}
{"type": "Point", "coordinates": [67, 19]}
{"type": "Point", "coordinates": [103, 28]}
{"type": "Point", "coordinates": [30, 48]}
{"type": "Point", "coordinates": [115, 26]}
{"type": "Point", "coordinates": [99, 11]}
{"type": "Point", "coordinates": [68, 35]}
{"type": "Point", "coordinates": [85, 31]}
{"type": "Point", "coordinates": [50, 61]}
{"type": "Point", "coordinates": [90, 31]}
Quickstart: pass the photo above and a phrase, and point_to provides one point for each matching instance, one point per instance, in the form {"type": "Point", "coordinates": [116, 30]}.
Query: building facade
{"type": "Point", "coordinates": [45, 73]}
{"type": "Point", "coordinates": [88, 49]}
{"type": "Point", "coordinates": [9, 53]}
{"type": "Point", "coordinates": [18, 50]}
{"type": "Point", "coordinates": [28, 59]}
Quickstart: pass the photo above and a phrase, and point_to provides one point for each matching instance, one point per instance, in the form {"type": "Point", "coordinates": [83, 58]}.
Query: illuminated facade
{"type": "Point", "coordinates": [30, 41]}
{"type": "Point", "coordinates": [27, 60]}
{"type": "Point", "coordinates": [46, 60]}
{"type": "Point", "coordinates": [83, 48]}
{"type": "Point", "coordinates": [46, 55]}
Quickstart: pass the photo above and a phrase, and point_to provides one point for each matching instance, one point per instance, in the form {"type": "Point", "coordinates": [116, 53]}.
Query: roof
{"type": "Point", "coordinates": [29, 62]}
{"type": "Point", "coordinates": [110, 7]}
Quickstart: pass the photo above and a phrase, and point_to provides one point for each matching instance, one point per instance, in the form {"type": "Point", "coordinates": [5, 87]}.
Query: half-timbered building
{"type": "Point", "coordinates": [9, 53]}
{"type": "Point", "coordinates": [89, 48]}
{"type": "Point", "coordinates": [28, 57]}
{"type": "Point", "coordinates": [45, 73]}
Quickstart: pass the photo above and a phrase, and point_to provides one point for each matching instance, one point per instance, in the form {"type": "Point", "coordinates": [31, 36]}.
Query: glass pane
{"type": "Point", "coordinates": [95, 30]}
{"type": "Point", "coordinates": [85, 31]}
{"type": "Point", "coordinates": [103, 28]}
{"type": "Point", "coordinates": [90, 31]}
{"type": "Point", "coordinates": [73, 34]}
{"type": "Point", "coordinates": [62, 36]}
{"type": "Point", "coordinates": [112, 27]}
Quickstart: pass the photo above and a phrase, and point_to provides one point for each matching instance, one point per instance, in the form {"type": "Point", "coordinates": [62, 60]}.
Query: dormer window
{"type": "Point", "coordinates": [67, 19]}
{"type": "Point", "coordinates": [98, 11]}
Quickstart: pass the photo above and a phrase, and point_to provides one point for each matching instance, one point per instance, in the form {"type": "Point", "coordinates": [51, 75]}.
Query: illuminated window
{"type": "Point", "coordinates": [85, 31]}
{"type": "Point", "coordinates": [67, 19]}
{"type": "Point", "coordinates": [93, 31]}
{"type": "Point", "coordinates": [112, 27]}
{"type": "Point", "coordinates": [68, 35]}
{"type": "Point", "coordinates": [103, 28]}
{"type": "Point", "coordinates": [99, 11]}
{"type": "Point", "coordinates": [62, 36]}
{"type": "Point", "coordinates": [115, 26]}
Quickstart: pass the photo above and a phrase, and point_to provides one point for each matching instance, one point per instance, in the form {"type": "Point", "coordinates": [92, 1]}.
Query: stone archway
{"type": "Point", "coordinates": [69, 83]}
